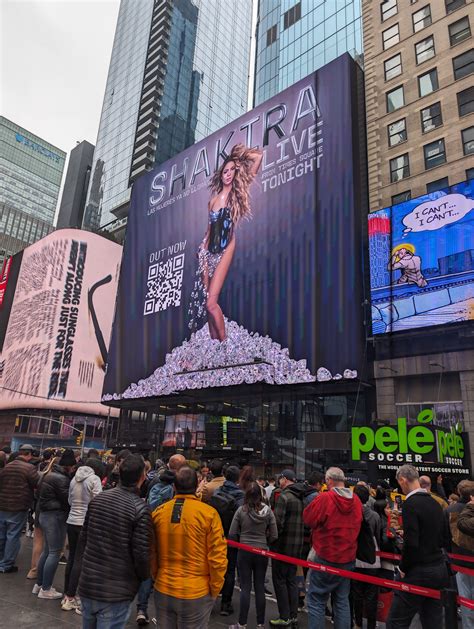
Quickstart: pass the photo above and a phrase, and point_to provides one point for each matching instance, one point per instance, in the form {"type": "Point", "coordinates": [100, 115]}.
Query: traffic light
{"type": "Point", "coordinates": [79, 438]}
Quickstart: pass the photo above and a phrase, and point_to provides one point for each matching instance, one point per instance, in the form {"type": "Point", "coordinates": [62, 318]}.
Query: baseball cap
{"type": "Point", "coordinates": [26, 447]}
{"type": "Point", "coordinates": [288, 474]}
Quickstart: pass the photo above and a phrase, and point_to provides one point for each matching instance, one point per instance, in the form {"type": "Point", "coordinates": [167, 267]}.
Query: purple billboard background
{"type": "Point", "coordinates": [291, 298]}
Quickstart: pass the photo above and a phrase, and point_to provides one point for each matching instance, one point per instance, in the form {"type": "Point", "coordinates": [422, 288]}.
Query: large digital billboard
{"type": "Point", "coordinates": [242, 260]}
{"type": "Point", "coordinates": [422, 261]}
{"type": "Point", "coordinates": [55, 322]}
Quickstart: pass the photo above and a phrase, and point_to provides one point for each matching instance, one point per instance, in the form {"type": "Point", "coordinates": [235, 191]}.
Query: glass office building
{"type": "Point", "coordinates": [108, 187]}
{"type": "Point", "coordinates": [296, 38]}
{"type": "Point", "coordinates": [18, 230]}
{"type": "Point", "coordinates": [30, 172]}
{"type": "Point", "coordinates": [178, 72]}
{"type": "Point", "coordinates": [30, 178]}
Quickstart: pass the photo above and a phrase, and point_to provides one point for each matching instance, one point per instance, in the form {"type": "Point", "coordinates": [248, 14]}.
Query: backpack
{"type": "Point", "coordinates": [159, 493]}
{"type": "Point", "coordinates": [226, 505]}
{"type": "Point", "coordinates": [366, 544]}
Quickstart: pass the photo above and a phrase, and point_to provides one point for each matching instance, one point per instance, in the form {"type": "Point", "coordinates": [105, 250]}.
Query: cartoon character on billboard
{"type": "Point", "coordinates": [404, 259]}
{"type": "Point", "coordinates": [228, 205]}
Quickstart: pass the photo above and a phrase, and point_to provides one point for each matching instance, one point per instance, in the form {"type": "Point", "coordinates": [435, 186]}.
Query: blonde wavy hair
{"type": "Point", "coordinates": [239, 199]}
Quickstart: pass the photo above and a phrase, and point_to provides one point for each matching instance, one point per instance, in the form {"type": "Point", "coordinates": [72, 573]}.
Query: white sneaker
{"type": "Point", "coordinates": [69, 604]}
{"type": "Point", "coordinates": [51, 594]}
{"type": "Point", "coordinates": [36, 589]}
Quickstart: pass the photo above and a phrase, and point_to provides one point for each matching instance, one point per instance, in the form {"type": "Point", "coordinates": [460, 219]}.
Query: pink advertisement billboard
{"type": "Point", "coordinates": [55, 323]}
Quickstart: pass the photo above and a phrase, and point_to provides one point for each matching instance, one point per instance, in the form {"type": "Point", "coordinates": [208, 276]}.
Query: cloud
{"type": "Point", "coordinates": [54, 61]}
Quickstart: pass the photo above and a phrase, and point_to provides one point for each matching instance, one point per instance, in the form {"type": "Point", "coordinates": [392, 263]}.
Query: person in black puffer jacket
{"type": "Point", "coordinates": [115, 547]}
{"type": "Point", "coordinates": [53, 507]}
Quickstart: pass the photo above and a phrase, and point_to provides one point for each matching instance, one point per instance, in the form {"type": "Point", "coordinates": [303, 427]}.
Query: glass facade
{"type": "Point", "coordinates": [108, 188]}
{"type": "Point", "coordinates": [18, 230]}
{"type": "Point", "coordinates": [206, 74]}
{"type": "Point", "coordinates": [204, 49]}
{"type": "Point", "coordinates": [30, 172]}
{"type": "Point", "coordinates": [310, 33]}
{"type": "Point", "coordinates": [303, 432]}
{"type": "Point", "coordinates": [53, 429]}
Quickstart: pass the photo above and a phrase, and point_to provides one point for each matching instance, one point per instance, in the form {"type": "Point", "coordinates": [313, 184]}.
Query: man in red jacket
{"type": "Point", "coordinates": [335, 518]}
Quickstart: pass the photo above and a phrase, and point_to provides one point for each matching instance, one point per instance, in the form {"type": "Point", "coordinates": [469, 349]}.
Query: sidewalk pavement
{"type": "Point", "coordinates": [20, 608]}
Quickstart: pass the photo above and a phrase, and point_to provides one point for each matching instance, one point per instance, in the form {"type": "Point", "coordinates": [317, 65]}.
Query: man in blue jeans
{"type": "Point", "coordinates": [335, 518]}
{"type": "Point", "coordinates": [18, 480]}
{"type": "Point", "coordinates": [115, 548]}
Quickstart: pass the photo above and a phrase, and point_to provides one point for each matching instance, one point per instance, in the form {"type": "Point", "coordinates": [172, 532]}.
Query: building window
{"type": "Point", "coordinates": [464, 64]}
{"type": "Point", "coordinates": [272, 35]}
{"type": "Point", "coordinates": [391, 36]}
{"type": "Point", "coordinates": [439, 184]}
{"type": "Point", "coordinates": [395, 99]}
{"type": "Point", "coordinates": [431, 117]}
{"type": "Point", "coordinates": [428, 82]}
{"type": "Point", "coordinates": [397, 132]}
{"type": "Point", "coordinates": [421, 19]}
{"type": "Point", "coordinates": [452, 5]}
{"type": "Point", "coordinates": [399, 168]}
{"type": "Point", "coordinates": [468, 140]}
{"type": "Point", "coordinates": [425, 49]}
{"type": "Point", "coordinates": [292, 15]}
{"type": "Point", "coordinates": [466, 101]}
{"type": "Point", "coordinates": [393, 67]}
{"type": "Point", "coordinates": [459, 31]}
{"type": "Point", "coordinates": [401, 197]}
{"type": "Point", "coordinates": [470, 173]}
{"type": "Point", "coordinates": [388, 8]}
{"type": "Point", "coordinates": [435, 154]}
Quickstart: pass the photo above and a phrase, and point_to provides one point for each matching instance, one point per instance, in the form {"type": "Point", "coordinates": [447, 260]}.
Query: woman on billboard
{"type": "Point", "coordinates": [228, 205]}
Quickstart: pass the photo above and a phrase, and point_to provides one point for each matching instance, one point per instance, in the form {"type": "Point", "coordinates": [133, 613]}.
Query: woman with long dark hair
{"type": "Point", "coordinates": [246, 478]}
{"type": "Point", "coordinates": [253, 524]}
{"type": "Point", "coordinates": [229, 204]}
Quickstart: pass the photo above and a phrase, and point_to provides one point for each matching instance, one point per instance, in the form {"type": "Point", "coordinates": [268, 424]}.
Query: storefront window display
{"type": "Point", "coordinates": [270, 434]}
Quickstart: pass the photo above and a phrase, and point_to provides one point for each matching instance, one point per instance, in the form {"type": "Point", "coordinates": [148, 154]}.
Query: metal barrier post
{"type": "Point", "coordinates": [450, 605]}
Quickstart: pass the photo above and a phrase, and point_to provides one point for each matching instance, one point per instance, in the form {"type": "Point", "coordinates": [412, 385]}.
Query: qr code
{"type": "Point", "coordinates": [164, 284]}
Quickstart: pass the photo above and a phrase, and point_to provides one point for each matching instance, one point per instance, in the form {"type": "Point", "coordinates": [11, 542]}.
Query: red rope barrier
{"type": "Point", "coordinates": [384, 555]}
{"type": "Point", "coordinates": [467, 558]}
{"type": "Point", "coordinates": [465, 601]}
{"type": "Point", "coordinates": [356, 576]}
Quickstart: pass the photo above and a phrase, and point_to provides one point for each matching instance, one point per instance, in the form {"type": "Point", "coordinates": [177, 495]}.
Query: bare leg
{"type": "Point", "coordinates": [213, 309]}
{"type": "Point", "coordinates": [37, 550]}
{"type": "Point", "coordinates": [213, 333]}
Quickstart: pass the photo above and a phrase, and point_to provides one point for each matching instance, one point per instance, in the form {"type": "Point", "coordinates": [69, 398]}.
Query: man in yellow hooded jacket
{"type": "Point", "coordinates": [188, 558]}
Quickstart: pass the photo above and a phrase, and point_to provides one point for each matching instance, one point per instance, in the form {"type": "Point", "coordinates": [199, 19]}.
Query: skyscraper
{"type": "Point", "coordinates": [296, 38]}
{"type": "Point", "coordinates": [71, 210]}
{"type": "Point", "coordinates": [178, 72]}
{"type": "Point", "coordinates": [30, 177]}
{"type": "Point", "coordinates": [419, 87]}
{"type": "Point", "coordinates": [419, 65]}
{"type": "Point", "coordinates": [30, 171]}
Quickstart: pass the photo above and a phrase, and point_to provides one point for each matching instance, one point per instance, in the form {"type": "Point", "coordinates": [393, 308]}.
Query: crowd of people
{"type": "Point", "coordinates": [137, 532]}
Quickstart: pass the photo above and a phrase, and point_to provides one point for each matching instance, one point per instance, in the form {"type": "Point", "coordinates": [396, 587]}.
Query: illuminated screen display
{"type": "Point", "coordinates": [55, 322]}
{"type": "Point", "coordinates": [242, 259]}
{"type": "Point", "coordinates": [422, 261]}
{"type": "Point", "coordinates": [184, 431]}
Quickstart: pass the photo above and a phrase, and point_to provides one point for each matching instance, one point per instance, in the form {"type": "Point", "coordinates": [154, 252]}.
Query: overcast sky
{"type": "Point", "coordinates": [55, 56]}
